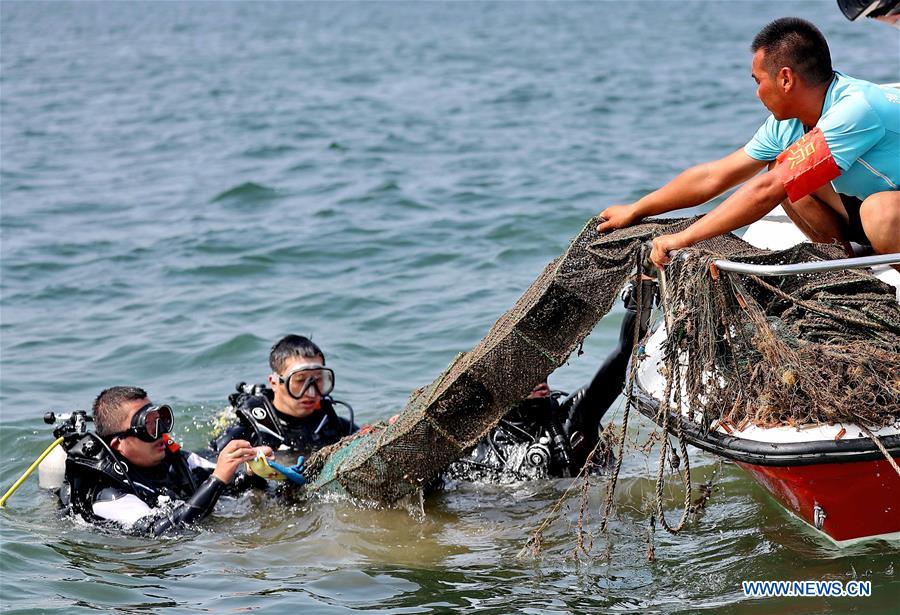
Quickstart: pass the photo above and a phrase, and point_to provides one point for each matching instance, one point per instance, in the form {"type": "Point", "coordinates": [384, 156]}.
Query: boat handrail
{"type": "Point", "coordinates": [809, 267]}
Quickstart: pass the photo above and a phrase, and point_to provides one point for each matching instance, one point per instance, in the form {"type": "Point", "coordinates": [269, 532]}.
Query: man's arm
{"type": "Point", "coordinates": [609, 381]}
{"type": "Point", "coordinates": [692, 187]}
{"type": "Point", "coordinates": [139, 519]}
{"type": "Point", "coordinates": [751, 202]}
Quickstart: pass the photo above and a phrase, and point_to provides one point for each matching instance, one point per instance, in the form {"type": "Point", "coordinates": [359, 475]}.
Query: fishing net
{"type": "Point", "coordinates": [790, 350]}
{"type": "Point", "coordinates": [822, 347]}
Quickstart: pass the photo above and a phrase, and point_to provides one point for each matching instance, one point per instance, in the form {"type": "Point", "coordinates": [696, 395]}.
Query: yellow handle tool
{"type": "Point", "coordinates": [28, 472]}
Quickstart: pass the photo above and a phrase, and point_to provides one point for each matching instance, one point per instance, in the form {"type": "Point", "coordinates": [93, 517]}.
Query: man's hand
{"type": "Point", "coordinates": [233, 455]}
{"type": "Point", "coordinates": [662, 245]}
{"type": "Point", "coordinates": [617, 216]}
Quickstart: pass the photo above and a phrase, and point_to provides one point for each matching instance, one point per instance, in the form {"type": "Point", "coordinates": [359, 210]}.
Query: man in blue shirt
{"type": "Point", "coordinates": [832, 145]}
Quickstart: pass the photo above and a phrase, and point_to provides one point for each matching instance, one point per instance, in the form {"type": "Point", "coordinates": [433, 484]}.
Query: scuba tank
{"type": "Point", "coordinates": [83, 457]}
{"type": "Point", "coordinates": [552, 446]}
{"type": "Point", "coordinates": [529, 443]}
{"type": "Point", "coordinates": [52, 470]}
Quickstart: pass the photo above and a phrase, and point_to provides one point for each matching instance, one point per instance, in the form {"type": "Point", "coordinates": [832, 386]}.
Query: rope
{"type": "Point", "coordinates": [818, 309]}
{"type": "Point", "coordinates": [881, 447]}
{"type": "Point", "coordinates": [664, 446]}
{"type": "Point", "coordinates": [535, 540]}
{"type": "Point", "coordinates": [629, 393]}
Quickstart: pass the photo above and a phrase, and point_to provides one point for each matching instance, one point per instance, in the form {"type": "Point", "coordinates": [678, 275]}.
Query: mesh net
{"type": "Point", "coordinates": [812, 348]}
{"type": "Point", "coordinates": [824, 347]}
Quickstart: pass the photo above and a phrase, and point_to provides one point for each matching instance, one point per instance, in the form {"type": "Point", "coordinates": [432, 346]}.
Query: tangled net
{"type": "Point", "coordinates": [444, 420]}
{"type": "Point", "coordinates": [772, 351]}
{"type": "Point", "coordinates": [789, 350]}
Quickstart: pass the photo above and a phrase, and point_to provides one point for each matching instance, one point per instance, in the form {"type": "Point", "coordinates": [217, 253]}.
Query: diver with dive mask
{"type": "Point", "coordinates": [130, 474]}
{"type": "Point", "coordinates": [148, 424]}
{"type": "Point", "coordinates": [295, 412]}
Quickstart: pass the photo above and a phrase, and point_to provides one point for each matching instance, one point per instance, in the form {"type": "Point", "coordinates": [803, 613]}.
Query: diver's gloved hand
{"type": "Point", "coordinates": [233, 455]}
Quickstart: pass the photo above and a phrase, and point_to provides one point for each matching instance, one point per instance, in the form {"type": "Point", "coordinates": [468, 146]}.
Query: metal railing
{"type": "Point", "coordinates": [810, 267]}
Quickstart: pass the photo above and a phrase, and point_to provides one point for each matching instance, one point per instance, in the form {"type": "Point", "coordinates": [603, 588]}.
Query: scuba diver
{"type": "Point", "coordinates": [129, 473]}
{"type": "Point", "coordinates": [551, 434]}
{"type": "Point", "coordinates": [296, 411]}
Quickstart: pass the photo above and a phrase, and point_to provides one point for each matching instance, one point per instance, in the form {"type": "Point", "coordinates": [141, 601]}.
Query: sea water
{"type": "Point", "coordinates": [184, 183]}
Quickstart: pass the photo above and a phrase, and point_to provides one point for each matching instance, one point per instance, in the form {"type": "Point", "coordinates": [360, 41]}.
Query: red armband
{"type": "Point", "coordinates": [807, 165]}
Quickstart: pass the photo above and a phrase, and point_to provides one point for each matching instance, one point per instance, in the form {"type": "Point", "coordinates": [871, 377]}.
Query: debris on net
{"type": "Point", "coordinates": [793, 350]}
{"type": "Point", "coordinates": [768, 350]}
{"type": "Point", "coordinates": [786, 350]}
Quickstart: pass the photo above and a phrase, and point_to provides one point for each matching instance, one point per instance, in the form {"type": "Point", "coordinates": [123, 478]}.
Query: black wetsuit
{"type": "Point", "coordinates": [103, 488]}
{"type": "Point", "coordinates": [260, 423]}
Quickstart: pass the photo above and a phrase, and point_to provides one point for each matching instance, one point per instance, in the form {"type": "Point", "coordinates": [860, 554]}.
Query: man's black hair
{"type": "Point", "coordinates": [108, 412]}
{"type": "Point", "coordinates": [797, 44]}
{"type": "Point", "coordinates": [291, 346]}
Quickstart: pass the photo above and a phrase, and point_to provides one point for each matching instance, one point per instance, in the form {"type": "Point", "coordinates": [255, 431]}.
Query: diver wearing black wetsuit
{"type": "Point", "coordinates": [261, 423]}
{"type": "Point", "coordinates": [295, 412]}
{"type": "Point", "coordinates": [553, 435]}
{"type": "Point", "coordinates": [138, 479]}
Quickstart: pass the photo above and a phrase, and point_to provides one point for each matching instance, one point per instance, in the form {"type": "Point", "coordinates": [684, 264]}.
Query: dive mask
{"type": "Point", "coordinates": [299, 381]}
{"type": "Point", "coordinates": [148, 424]}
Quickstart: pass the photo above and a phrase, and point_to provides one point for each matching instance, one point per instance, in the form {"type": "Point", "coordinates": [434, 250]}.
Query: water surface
{"type": "Point", "coordinates": [184, 183]}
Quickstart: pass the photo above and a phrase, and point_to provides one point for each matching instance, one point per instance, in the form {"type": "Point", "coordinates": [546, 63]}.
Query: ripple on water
{"type": "Point", "coordinates": [246, 193]}
{"type": "Point", "coordinates": [237, 346]}
{"type": "Point", "coordinates": [269, 151]}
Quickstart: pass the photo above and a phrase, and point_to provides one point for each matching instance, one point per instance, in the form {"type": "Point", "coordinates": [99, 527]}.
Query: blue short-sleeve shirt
{"type": "Point", "coordinates": [861, 124]}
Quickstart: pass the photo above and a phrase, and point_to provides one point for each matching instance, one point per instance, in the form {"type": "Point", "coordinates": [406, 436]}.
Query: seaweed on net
{"type": "Point", "coordinates": [451, 415]}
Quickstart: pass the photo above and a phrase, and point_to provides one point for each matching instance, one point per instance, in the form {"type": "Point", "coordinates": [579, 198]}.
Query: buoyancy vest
{"type": "Point", "coordinates": [91, 467]}
{"type": "Point", "coordinates": [259, 422]}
